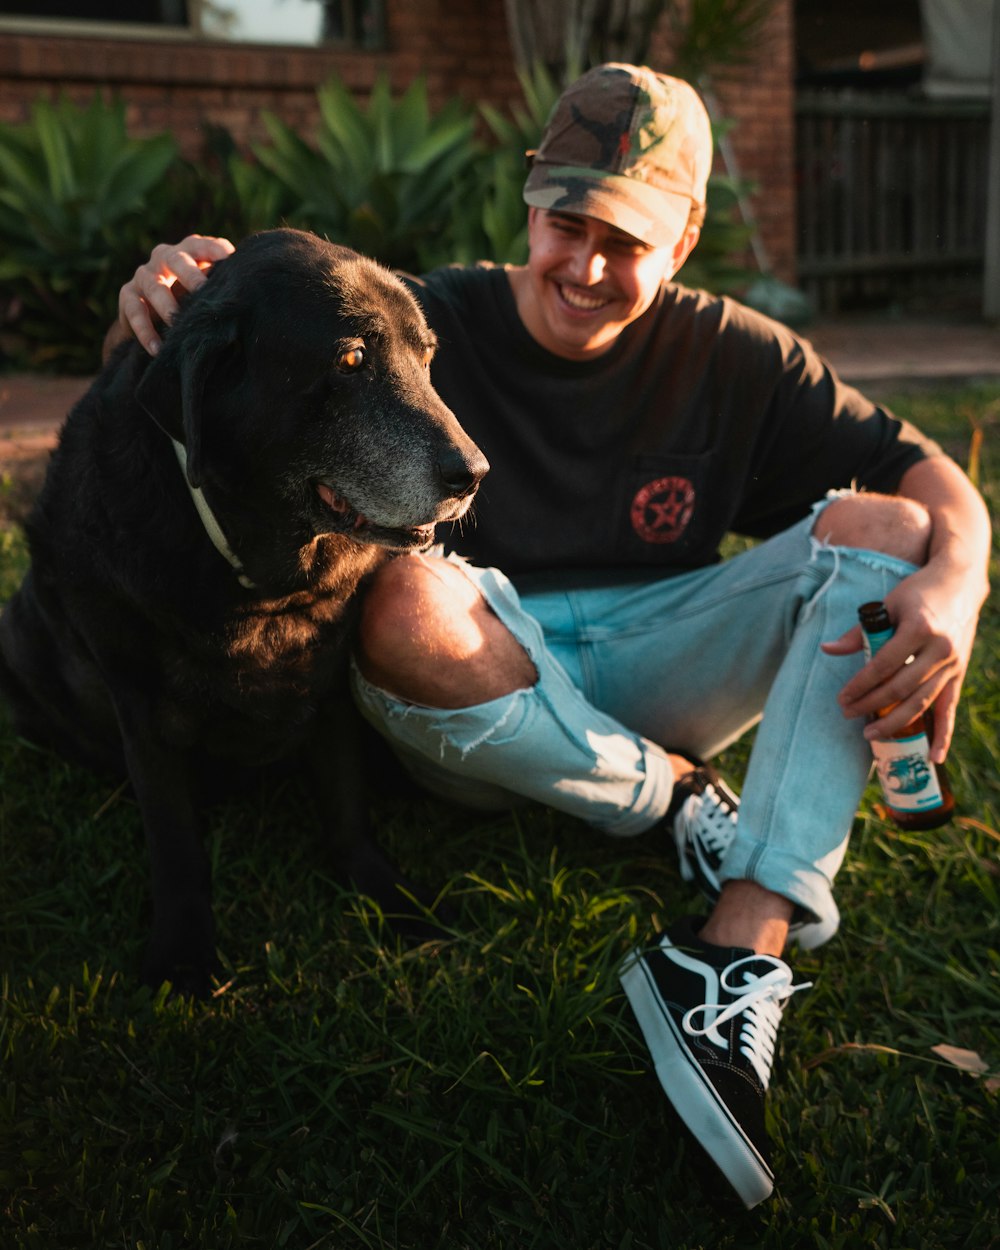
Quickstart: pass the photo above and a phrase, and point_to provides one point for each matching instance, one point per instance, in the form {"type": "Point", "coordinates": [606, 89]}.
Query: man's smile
{"type": "Point", "coordinates": [576, 297]}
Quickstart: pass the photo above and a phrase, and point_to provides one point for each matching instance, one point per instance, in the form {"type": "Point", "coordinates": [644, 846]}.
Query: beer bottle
{"type": "Point", "coordinates": [916, 789]}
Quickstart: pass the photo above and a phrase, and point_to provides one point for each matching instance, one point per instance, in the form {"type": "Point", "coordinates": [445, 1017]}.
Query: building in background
{"type": "Point", "coordinates": [893, 160]}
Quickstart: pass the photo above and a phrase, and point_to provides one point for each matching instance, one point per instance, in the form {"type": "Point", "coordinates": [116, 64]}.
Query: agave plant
{"type": "Point", "coordinates": [222, 189]}
{"type": "Point", "coordinates": [380, 179]}
{"type": "Point", "coordinates": [73, 195]}
{"type": "Point", "coordinates": [503, 216]}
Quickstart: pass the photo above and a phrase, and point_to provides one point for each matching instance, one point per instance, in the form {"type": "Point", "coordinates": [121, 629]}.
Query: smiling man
{"type": "Point", "coordinates": [582, 644]}
{"type": "Point", "coordinates": [601, 247]}
{"type": "Point", "coordinates": [587, 281]}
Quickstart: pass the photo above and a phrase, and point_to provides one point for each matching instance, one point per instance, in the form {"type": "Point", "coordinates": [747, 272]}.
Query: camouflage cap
{"type": "Point", "coordinates": [628, 146]}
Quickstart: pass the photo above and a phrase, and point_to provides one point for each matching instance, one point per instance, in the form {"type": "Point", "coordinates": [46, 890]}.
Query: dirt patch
{"type": "Point", "coordinates": [31, 410]}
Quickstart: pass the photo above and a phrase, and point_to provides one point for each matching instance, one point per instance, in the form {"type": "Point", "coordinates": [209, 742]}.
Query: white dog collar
{"type": "Point", "coordinates": [212, 527]}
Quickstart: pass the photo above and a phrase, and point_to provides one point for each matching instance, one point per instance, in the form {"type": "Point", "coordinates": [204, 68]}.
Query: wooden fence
{"type": "Point", "coordinates": [891, 196]}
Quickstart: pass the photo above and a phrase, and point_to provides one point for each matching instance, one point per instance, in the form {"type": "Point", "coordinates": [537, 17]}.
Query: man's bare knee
{"type": "Point", "coordinates": [893, 524]}
{"type": "Point", "coordinates": [429, 637]}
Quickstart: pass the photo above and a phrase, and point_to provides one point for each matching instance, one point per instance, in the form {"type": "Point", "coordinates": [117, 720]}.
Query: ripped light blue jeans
{"type": "Point", "coordinates": [689, 663]}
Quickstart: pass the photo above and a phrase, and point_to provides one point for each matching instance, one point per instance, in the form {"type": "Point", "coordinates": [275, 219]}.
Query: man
{"type": "Point", "coordinates": [630, 424]}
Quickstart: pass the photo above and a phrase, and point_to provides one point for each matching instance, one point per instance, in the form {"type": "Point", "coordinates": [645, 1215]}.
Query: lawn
{"type": "Point", "coordinates": [488, 1091]}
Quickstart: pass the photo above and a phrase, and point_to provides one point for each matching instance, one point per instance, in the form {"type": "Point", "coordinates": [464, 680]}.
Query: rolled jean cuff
{"type": "Point", "coordinates": [799, 880]}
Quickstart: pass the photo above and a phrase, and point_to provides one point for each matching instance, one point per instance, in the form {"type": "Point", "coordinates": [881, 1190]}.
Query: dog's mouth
{"type": "Point", "coordinates": [348, 520]}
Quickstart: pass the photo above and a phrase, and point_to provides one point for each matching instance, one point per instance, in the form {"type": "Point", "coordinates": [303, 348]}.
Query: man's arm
{"type": "Point", "coordinates": [150, 298]}
{"type": "Point", "coordinates": [935, 612]}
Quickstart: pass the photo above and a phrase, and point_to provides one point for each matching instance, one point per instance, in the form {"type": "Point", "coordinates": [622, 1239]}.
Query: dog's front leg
{"type": "Point", "coordinates": [182, 944]}
{"type": "Point", "coordinates": [338, 767]}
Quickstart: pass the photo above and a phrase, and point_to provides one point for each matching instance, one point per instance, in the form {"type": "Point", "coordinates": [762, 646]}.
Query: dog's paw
{"type": "Point", "coordinates": [411, 910]}
{"type": "Point", "coordinates": [185, 956]}
{"type": "Point", "coordinates": [188, 978]}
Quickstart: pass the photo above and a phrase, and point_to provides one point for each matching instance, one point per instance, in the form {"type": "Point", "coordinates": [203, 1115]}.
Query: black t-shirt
{"type": "Point", "coordinates": [703, 417]}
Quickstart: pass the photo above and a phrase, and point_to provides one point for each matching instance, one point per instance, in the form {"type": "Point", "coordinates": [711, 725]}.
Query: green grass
{"type": "Point", "coordinates": [490, 1090]}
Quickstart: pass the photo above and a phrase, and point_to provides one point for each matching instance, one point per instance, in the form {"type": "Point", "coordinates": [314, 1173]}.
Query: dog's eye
{"type": "Point", "coordinates": [351, 360]}
{"type": "Point", "coordinates": [428, 356]}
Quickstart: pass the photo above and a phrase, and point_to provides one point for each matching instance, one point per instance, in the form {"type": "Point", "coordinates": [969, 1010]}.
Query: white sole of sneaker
{"type": "Point", "coordinates": [691, 1093]}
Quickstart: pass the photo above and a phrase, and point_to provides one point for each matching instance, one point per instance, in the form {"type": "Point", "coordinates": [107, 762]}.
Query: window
{"type": "Point", "coordinates": [356, 23]}
{"type": "Point", "coordinates": [108, 12]}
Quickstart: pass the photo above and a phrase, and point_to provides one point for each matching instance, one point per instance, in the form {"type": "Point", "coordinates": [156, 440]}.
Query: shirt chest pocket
{"type": "Point", "coordinates": [663, 513]}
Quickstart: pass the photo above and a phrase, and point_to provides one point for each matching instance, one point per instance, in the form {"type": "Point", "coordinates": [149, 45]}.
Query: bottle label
{"type": "Point", "coordinates": [870, 643]}
{"type": "Point", "coordinates": [906, 773]}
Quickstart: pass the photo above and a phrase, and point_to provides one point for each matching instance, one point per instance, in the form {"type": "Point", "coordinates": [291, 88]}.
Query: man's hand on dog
{"type": "Point", "coordinates": [151, 297]}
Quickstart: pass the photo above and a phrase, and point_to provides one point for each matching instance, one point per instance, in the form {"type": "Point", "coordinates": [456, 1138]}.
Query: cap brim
{"type": "Point", "coordinates": [649, 214]}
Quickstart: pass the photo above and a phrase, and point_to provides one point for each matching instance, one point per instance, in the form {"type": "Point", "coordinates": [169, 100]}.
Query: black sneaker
{"type": "Point", "coordinates": [702, 816]}
{"type": "Point", "coordinates": [702, 819]}
{"type": "Point", "coordinates": [710, 1016]}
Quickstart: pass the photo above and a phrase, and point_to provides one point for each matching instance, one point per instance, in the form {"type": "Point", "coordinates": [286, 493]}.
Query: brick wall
{"type": "Point", "coordinates": [461, 46]}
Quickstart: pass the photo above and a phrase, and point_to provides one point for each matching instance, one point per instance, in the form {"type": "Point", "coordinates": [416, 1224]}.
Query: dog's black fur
{"type": "Point", "coordinates": [297, 380]}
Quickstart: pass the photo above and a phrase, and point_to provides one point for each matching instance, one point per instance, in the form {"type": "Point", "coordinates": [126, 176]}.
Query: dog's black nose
{"type": "Point", "coordinates": [461, 473]}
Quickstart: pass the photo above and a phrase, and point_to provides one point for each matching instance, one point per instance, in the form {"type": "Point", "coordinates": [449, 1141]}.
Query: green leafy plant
{"type": "Point", "coordinates": [382, 179]}
{"type": "Point", "coordinates": [503, 216]}
{"type": "Point", "coordinates": [223, 190]}
{"type": "Point", "coordinates": [73, 212]}
{"type": "Point", "coordinates": [717, 263]}
{"type": "Point", "coordinates": [708, 34]}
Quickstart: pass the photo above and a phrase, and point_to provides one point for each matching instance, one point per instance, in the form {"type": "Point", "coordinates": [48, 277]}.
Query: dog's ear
{"type": "Point", "coordinates": [173, 386]}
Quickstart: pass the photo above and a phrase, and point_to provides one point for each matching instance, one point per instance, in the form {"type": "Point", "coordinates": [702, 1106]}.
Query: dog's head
{"type": "Point", "coordinates": [297, 379]}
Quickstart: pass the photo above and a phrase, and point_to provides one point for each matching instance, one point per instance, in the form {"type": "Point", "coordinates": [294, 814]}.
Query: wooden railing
{"type": "Point", "coordinates": [891, 197]}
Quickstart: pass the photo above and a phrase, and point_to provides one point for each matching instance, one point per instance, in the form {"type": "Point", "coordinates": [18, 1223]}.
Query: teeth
{"type": "Point", "coordinates": [575, 299]}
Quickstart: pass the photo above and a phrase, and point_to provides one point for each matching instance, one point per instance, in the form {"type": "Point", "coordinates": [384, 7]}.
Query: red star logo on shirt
{"type": "Point", "coordinates": [662, 509]}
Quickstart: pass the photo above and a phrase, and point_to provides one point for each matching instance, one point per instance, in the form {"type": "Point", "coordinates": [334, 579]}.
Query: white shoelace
{"type": "Point", "coordinates": [715, 823]}
{"type": "Point", "coordinates": [761, 1002]}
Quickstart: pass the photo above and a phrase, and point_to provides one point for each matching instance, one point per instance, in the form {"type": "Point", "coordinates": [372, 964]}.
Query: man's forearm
{"type": "Point", "coordinates": [961, 531]}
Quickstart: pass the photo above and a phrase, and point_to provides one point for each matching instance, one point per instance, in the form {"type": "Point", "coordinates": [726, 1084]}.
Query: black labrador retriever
{"type": "Point", "coordinates": [196, 552]}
